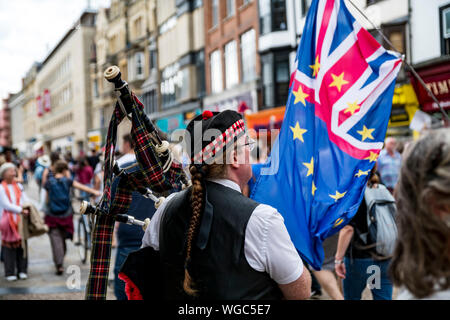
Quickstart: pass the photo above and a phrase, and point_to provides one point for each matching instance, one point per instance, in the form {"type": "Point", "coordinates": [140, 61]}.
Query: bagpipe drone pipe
{"type": "Point", "coordinates": [155, 171]}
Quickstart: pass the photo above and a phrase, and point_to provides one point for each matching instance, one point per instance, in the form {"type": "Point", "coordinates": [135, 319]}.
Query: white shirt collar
{"type": "Point", "coordinates": [227, 183]}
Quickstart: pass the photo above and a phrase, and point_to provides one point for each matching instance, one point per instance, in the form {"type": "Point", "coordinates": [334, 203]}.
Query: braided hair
{"type": "Point", "coordinates": [198, 174]}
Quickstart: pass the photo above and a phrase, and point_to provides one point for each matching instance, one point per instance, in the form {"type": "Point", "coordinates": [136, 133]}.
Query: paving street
{"type": "Point", "coordinates": [42, 282]}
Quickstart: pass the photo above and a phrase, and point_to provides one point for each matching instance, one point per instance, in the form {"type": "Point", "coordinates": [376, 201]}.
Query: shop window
{"type": "Point", "coordinates": [248, 53]}
{"type": "Point", "coordinates": [272, 15]}
{"type": "Point", "coordinates": [216, 72]}
{"type": "Point", "coordinates": [231, 64]}
{"type": "Point", "coordinates": [445, 29]}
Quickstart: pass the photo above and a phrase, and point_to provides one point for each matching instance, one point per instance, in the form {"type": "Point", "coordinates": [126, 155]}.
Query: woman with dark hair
{"type": "Point", "coordinates": [214, 242]}
{"type": "Point", "coordinates": [421, 261]}
{"type": "Point", "coordinates": [355, 260]}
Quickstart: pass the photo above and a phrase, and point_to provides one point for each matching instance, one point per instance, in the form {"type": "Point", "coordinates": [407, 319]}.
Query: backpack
{"type": "Point", "coordinates": [59, 195]}
{"type": "Point", "coordinates": [382, 229]}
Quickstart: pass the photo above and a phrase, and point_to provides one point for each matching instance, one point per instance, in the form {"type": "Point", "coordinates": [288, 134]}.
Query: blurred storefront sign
{"type": "Point", "coordinates": [94, 140]}
{"type": "Point", "coordinates": [436, 75]}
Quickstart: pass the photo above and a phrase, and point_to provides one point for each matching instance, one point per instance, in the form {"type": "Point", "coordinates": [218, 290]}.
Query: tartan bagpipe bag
{"type": "Point", "coordinates": [149, 175]}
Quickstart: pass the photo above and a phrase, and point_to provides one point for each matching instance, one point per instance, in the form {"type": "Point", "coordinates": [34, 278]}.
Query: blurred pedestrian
{"type": "Point", "coordinates": [59, 216]}
{"type": "Point", "coordinates": [355, 254]}
{"type": "Point", "coordinates": [93, 159]}
{"type": "Point", "coordinates": [421, 260]}
{"type": "Point", "coordinates": [389, 163]}
{"type": "Point", "coordinates": [326, 276]}
{"type": "Point", "coordinates": [84, 174]}
{"type": "Point", "coordinates": [42, 163]}
{"type": "Point", "coordinates": [12, 198]}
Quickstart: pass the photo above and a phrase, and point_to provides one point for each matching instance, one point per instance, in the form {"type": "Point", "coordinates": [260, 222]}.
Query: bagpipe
{"type": "Point", "coordinates": [154, 172]}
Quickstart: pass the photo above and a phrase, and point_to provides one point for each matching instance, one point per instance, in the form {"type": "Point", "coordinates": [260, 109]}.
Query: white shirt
{"type": "Point", "coordinates": [268, 246]}
{"type": "Point", "coordinates": [5, 204]}
{"type": "Point", "coordinates": [126, 158]}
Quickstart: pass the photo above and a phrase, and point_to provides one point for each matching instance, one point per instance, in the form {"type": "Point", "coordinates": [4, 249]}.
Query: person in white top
{"type": "Point", "coordinates": [420, 265]}
{"type": "Point", "coordinates": [268, 248]}
{"type": "Point", "coordinates": [12, 198]}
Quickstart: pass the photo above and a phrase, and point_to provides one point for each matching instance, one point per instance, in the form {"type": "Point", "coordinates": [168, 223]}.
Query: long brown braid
{"type": "Point", "coordinates": [197, 176]}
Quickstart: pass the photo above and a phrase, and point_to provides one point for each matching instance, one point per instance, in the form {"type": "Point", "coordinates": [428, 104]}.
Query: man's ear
{"type": "Point", "coordinates": [234, 159]}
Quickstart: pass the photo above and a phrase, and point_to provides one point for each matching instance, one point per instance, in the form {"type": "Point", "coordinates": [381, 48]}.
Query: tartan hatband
{"type": "Point", "coordinates": [231, 134]}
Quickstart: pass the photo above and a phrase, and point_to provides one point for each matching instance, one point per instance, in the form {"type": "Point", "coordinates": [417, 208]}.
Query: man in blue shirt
{"type": "Point", "coordinates": [389, 163]}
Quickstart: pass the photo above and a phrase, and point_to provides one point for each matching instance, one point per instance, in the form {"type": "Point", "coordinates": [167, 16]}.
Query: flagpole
{"type": "Point", "coordinates": [430, 93]}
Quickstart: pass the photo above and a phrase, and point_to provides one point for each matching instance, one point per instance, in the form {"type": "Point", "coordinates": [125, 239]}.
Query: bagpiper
{"type": "Point", "coordinates": [211, 241]}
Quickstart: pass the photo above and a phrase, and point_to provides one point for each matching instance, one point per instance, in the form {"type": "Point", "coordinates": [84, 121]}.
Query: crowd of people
{"type": "Point", "coordinates": [411, 180]}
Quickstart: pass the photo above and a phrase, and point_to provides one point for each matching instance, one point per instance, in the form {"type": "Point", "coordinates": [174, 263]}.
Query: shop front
{"type": "Point", "coordinates": [177, 121]}
{"type": "Point", "coordinates": [436, 75]}
{"type": "Point", "coordinates": [404, 106]}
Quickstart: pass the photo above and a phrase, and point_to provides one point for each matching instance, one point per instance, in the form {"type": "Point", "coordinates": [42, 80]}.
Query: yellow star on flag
{"type": "Point", "coordinates": [373, 157]}
{"type": "Point", "coordinates": [313, 188]}
{"type": "Point", "coordinates": [337, 196]}
{"type": "Point", "coordinates": [300, 96]}
{"type": "Point", "coordinates": [362, 173]}
{"type": "Point", "coordinates": [338, 81]}
{"type": "Point", "coordinates": [352, 107]}
{"type": "Point", "coordinates": [310, 166]}
{"type": "Point", "coordinates": [315, 67]}
{"type": "Point", "coordinates": [366, 133]}
{"type": "Point", "coordinates": [298, 132]}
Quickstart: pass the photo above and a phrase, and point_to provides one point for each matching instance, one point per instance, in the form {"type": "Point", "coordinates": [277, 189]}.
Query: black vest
{"type": "Point", "coordinates": [220, 270]}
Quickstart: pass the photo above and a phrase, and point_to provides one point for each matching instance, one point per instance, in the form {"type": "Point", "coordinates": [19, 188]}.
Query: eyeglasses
{"type": "Point", "coordinates": [250, 143]}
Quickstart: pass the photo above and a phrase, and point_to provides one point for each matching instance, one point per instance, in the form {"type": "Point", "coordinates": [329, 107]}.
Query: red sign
{"type": "Point", "coordinates": [437, 79]}
{"type": "Point", "coordinates": [40, 109]}
{"type": "Point", "coordinates": [47, 106]}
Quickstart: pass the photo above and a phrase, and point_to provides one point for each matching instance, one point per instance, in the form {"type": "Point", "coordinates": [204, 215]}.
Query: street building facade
{"type": "Point", "coordinates": [63, 89]}
{"type": "Point", "coordinates": [430, 39]}
{"type": "Point", "coordinates": [232, 62]}
{"type": "Point", "coordinates": [5, 125]}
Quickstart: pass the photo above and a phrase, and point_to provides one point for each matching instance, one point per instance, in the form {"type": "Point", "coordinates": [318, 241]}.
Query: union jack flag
{"type": "Point", "coordinates": [337, 113]}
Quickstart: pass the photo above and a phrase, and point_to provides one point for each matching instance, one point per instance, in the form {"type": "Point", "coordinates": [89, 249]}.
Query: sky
{"type": "Point", "coordinates": [29, 30]}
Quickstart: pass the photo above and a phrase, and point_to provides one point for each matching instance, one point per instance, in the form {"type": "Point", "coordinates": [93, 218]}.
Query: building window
{"type": "Point", "coordinates": [230, 8]}
{"type": "Point", "coordinates": [171, 82]}
{"type": "Point", "coordinates": [369, 2]}
{"type": "Point", "coordinates": [305, 6]}
{"type": "Point", "coordinates": [275, 78]}
{"type": "Point", "coordinates": [445, 29]}
{"type": "Point", "coordinates": [168, 25]}
{"type": "Point", "coordinates": [153, 56]}
{"type": "Point", "coordinates": [216, 72]}
{"type": "Point", "coordinates": [214, 13]}
{"type": "Point", "coordinates": [231, 67]}
{"type": "Point", "coordinates": [150, 102]}
{"type": "Point", "coordinates": [200, 72]}
{"type": "Point", "coordinates": [272, 15]}
{"type": "Point", "coordinates": [248, 54]}
{"type": "Point", "coordinates": [138, 27]}
{"type": "Point", "coordinates": [95, 88]}
{"type": "Point", "coordinates": [136, 66]}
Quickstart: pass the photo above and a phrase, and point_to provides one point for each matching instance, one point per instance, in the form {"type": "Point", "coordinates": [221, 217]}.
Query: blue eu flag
{"type": "Point", "coordinates": [337, 113]}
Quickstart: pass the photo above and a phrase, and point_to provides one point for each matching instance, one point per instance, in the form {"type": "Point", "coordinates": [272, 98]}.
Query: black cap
{"type": "Point", "coordinates": [210, 133]}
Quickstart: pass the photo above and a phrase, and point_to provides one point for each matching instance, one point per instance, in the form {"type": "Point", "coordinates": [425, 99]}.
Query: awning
{"type": "Point", "coordinates": [436, 75]}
